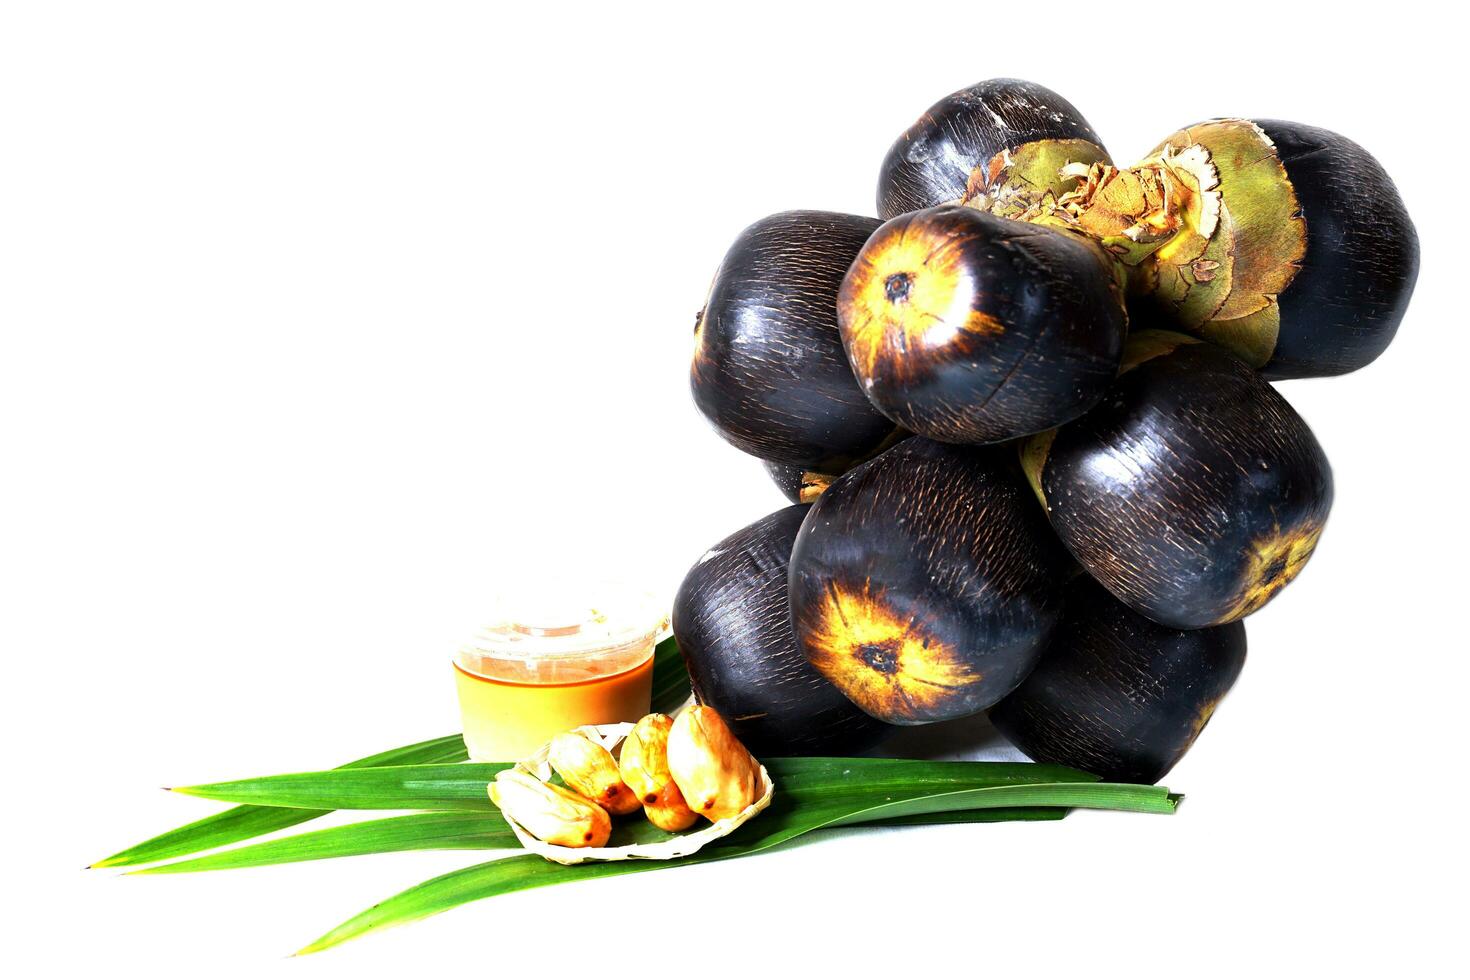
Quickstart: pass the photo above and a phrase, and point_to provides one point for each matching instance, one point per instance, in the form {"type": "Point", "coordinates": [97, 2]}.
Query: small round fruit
{"type": "Point", "coordinates": [925, 582]}
{"type": "Point", "coordinates": [1346, 301]}
{"type": "Point", "coordinates": [964, 327]}
{"type": "Point", "coordinates": [1193, 492]}
{"type": "Point", "coordinates": [769, 371]}
{"type": "Point", "coordinates": [715, 773]}
{"type": "Point", "coordinates": [1286, 244]}
{"type": "Point", "coordinates": [999, 136]}
{"type": "Point", "coordinates": [733, 624]}
{"type": "Point", "coordinates": [1116, 694]}
{"type": "Point", "coordinates": [669, 811]}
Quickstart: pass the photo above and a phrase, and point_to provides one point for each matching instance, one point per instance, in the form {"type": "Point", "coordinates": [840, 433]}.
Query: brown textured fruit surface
{"type": "Point", "coordinates": [1116, 694]}
{"type": "Point", "coordinates": [965, 327]}
{"type": "Point", "coordinates": [950, 149]}
{"type": "Point", "coordinates": [732, 619]}
{"type": "Point", "coordinates": [768, 370]}
{"type": "Point", "coordinates": [1193, 492]}
{"type": "Point", "coordinates": [925, 582]}
{"type": "Point", "coordinates": [1346, 302]}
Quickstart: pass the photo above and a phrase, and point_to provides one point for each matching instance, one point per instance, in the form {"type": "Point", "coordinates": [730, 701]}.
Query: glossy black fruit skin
{"type": "Point", "coordinates": [733, 626]}
{"type": "Point", "coordinates": [801, 485]}
{"type": "Point", "coordinates": [931, 163]}
{"type": "Point", "coordinates": [925, 582]}
{"type": "Point", "coordinates": [769, 371]}
{"type": "Point", "coordinates": [788, 477]}
{"type": "Point", "coordinates": [1193, 492]}
{"type": "Point", "coordinates": [1344, 306]}
{"type": "Point", "coordinates": [1001, 328]}
{"type": "Point", "coordinates": [1116, 694]}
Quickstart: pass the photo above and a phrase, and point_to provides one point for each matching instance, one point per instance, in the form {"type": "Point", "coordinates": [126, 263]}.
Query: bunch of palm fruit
{"type": "Point", "coordinates": [1025, 418]}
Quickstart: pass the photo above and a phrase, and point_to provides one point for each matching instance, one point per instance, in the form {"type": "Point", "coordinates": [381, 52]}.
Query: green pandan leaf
{"type": "Point", "coordinates": [462, 787]}
{"type": "Point", "coordinates": [461, 830]}
{"type": "Point", "coordinates": [448, 830]}
{"type": "Point", "coordinates": [787, 819]}
{"type": "Point", "coordinates": [245, 822]}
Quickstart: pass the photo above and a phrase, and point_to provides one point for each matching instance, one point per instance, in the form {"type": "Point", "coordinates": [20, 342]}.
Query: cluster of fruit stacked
{"type": "Point", "coordinates": [1026, 418]}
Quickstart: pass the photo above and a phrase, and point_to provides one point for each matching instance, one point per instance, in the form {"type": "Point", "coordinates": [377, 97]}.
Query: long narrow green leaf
{"type": "Point", "coordinates": [873, 777]}
{"type": "Point", "coordinates": [785, 820]}
{"type": "Point", "coordinates": [1000, 814]}
{"type": "Point", "coordinates": [670, 689]}
{"type": "Point", "coordinates": [462, 830]}
{"type": "Point", "coordinates": [244, 822]}
{"type": "Point", "coordinates": [1128, 797]}
{"type": "Point", "coordinates": [447, 830]}
{"type": "Point", "coordinates": [443, 830]}
{"type": "Point", "coordinates": [462, 786]}
{"type": "Point", "coordinates": [777, 825]}
{"type": "Point", "coordinates": [452, 787]}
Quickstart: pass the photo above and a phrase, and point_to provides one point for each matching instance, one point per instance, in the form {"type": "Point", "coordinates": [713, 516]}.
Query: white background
{"type": "Point", "coordinates": [321, 319]}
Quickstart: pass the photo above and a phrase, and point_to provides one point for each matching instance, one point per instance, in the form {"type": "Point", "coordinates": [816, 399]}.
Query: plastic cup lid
{"type": "Point", "coordinates": [565, 621]}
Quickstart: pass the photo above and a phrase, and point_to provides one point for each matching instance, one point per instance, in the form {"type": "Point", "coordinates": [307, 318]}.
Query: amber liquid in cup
{"type": "Point", "coordinates": [511, 706]}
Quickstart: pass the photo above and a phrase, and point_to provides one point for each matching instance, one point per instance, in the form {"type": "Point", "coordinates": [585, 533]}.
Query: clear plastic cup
{"type": "Point", "coordinates": [543, 666]}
